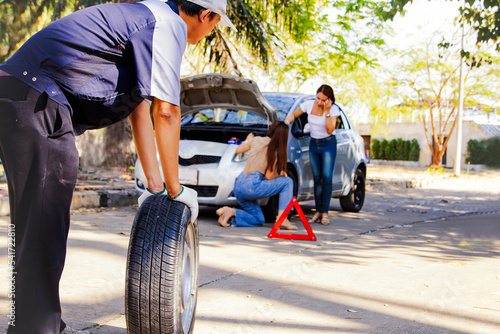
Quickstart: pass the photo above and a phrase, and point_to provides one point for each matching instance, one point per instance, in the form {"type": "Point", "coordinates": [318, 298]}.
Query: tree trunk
{"type": "Point", "coordinates": [119, 148]}
{"type": "Point", "coordinates": [111, 147]}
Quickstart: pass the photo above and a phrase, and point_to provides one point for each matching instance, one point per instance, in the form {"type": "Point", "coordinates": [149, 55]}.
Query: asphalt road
{"type": "Point", "coordinates": [412, 261]}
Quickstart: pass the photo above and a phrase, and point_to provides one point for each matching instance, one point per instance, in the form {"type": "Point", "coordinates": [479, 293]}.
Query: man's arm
{"type": "Point", "coordinates": [144, 139]}
{"type": "Point", "coordinates": [167, 118]}
{"type": "Point", "coordinates": [167, 129]}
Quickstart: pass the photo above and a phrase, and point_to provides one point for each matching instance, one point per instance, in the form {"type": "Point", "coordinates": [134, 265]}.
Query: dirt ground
{"type": "Point", "coordinates": [485, 181]}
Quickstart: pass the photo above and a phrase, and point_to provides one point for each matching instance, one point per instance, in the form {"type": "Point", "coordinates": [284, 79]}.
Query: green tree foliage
{"type": "Point", "coordinates": [264, 27]}
{"type": "Point", "coordinates": [482, 15]}
{"type": "Point", "coordinates": [20, 19]}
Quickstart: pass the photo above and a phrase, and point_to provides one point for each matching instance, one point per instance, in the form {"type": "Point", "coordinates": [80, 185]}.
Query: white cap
{"type": "Point", "coordinates": [217, 6]}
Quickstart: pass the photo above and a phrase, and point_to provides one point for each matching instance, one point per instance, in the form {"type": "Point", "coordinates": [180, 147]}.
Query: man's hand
{"type": "Point", "coordinates": [189, 197]}
{"type": "Point", "coordinates": [148, 193]}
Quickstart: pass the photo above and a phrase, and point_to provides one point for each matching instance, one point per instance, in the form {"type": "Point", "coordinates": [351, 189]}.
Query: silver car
{"type": "Point", "coordinates": [219, 110]}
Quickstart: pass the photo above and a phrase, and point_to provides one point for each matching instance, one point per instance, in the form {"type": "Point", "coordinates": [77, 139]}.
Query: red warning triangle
{"type": "Point", "coordinates": [310, 234]}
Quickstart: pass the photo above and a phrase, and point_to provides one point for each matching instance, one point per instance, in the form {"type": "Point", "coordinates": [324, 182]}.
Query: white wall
{"type": "Point", "coordinates": [409, 131]}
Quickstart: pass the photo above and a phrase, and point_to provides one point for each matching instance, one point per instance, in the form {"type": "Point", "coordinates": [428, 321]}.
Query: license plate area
{"type": "Point", "coordinates": [188, 176]}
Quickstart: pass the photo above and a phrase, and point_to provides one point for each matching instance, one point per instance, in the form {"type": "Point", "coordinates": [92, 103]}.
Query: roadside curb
{"type": "Point", "coordinates": [395, 183]}
{"type": "Point", "coordinates": [90, 199]}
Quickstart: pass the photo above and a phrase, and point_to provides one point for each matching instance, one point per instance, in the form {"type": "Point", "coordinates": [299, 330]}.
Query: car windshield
{"type": "Point", "coordinates": [281, 103]}
{"type": "Point", "coordinates": [224, 116]}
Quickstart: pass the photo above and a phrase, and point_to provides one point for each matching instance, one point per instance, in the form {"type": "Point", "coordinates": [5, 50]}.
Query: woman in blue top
{"type": "Point", "coordinates": [322, 117]}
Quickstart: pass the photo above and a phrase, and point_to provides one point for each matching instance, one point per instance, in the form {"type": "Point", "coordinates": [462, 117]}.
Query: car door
{"type": "Point", "coordinates": [302, 139]}
{"type": "Point", "coordinates": [342, 174]}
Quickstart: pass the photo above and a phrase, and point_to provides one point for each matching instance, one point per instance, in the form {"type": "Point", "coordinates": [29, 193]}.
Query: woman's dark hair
{"type": "Point", "coordinates": [191, 9]}
{"type": "Point", "coordinates": [277, 149]}
{"type": "Point", "coordinates": [328, 91]}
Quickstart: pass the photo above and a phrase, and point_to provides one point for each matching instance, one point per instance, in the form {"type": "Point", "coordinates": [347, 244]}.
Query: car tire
{"type": "Point", "coordinates": [353, 202]}
{"type": "Point", "coordinates": [161, 287]}
{"type": "Point", "coordinates": [271, 209]}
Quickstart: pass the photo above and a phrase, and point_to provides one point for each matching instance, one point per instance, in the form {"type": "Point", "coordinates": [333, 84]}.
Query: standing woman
{"type": "Point", "coordinates": [264, 176]}
{"type": "Point", "coordinates": [322, 117]}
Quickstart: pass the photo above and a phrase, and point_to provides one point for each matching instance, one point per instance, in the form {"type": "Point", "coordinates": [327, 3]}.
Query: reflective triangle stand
{"type": "Point", "coordinates": [310, 234]}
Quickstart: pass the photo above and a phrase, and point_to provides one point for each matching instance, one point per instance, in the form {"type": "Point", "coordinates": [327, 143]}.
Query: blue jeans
{"type": "Point", "coordinates": [322, 153]}
{"type": "Point", "coordinates": [248, 188]}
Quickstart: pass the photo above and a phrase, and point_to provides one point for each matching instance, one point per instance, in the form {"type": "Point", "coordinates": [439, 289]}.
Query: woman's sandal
{"type": "Point", "coordinates": [314, 219]}
{"type": "Point", "coordinates": [325, 220]}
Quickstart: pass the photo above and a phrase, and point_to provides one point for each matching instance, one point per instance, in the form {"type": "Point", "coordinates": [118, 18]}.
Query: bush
{"type": "Point", "coordinates": [396, 149]}
{"type": "Point", "coordinates": [493, 152]}
{"type": "Point", "coordinates": [484, 152]}
{"type": "Point", "coordinates": [391, 150]}
{"type": "Point", "coordinates": [475, 152]}
{"type": "Point", "coordinates": [414, 150]}
{"type": "Point", "coordinates": [408, 150]}
{"type": "Point", "coordinates": [384, 149]}
{"type": "Point", "coordinates": [400, 153]}
{"type": "Point", "coordinates": [375, 149]}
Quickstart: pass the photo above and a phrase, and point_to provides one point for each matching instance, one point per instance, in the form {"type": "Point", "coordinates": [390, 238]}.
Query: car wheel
{"type": "Point", "coordinates": [271, 209]}
{"type": "Point", "coordinates": [161, 287]}
{"type": "Point", "coordinates": [353, 202]}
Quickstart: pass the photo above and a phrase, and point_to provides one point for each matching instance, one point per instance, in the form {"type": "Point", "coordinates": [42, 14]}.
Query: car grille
{"type": "Point", "coordinates": [205, 191]}
{"type": "Point", "coordinates": [199, 160]}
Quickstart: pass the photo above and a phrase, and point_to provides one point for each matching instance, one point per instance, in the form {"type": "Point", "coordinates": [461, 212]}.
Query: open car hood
{"type": "Point", "coordinates": [216, 90]}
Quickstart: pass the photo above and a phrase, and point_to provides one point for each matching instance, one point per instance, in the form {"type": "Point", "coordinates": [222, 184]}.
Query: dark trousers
{"type": "Point", "coordinates": [37, 148]}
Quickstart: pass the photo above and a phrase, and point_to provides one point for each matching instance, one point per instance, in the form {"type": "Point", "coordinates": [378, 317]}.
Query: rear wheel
{"type": "Point", "coordinates": [161, 287]}
{"type": "Point", "coordinates": [353, 202]}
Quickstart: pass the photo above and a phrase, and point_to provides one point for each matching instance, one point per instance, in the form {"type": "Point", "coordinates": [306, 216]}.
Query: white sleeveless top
{"type": "Point", "coordinates": [317, 123]}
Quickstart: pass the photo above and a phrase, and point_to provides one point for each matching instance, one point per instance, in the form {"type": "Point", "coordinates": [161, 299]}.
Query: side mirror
{"type": "Point", "coordinates": [307, 129]}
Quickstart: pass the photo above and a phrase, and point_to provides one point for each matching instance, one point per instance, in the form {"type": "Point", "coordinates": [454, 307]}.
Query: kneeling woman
{"type": "Point", "coordinates": [264, 176]}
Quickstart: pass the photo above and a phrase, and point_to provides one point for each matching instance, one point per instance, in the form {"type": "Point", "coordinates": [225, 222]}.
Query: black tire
{"type": "Point", "coordinates": [271, 209]}
{"type": "Point", "coordinates": [353, 202]}
{"type": "Point", "coordinates": [161, 287]}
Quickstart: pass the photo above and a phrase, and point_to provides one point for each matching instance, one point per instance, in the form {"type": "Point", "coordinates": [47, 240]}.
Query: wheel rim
{"type": "Point", "coordinates": [188, 288]}
{"type": "Point", "coordinates": [359, 192]}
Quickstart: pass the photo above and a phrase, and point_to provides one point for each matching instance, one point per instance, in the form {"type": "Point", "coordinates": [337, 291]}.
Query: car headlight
{"type": "Point", "coordinates": [241, 157]}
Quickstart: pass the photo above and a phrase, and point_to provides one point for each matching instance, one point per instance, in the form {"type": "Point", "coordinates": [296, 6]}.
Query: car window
{"type": "Point", "coordinates": [344, 121]}
{"type": "Point", "coordinates": [340, 123]}
{"type": "Point", "coordinates": [224, 116]}
{"type": "Point", "coordinates": [281, 103]}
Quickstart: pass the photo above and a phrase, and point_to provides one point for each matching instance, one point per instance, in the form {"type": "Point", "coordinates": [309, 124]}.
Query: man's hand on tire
{"type": "Point", "coordinates": [148, 193]}
{"type": "Point", "coordinates": [189, 197]}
